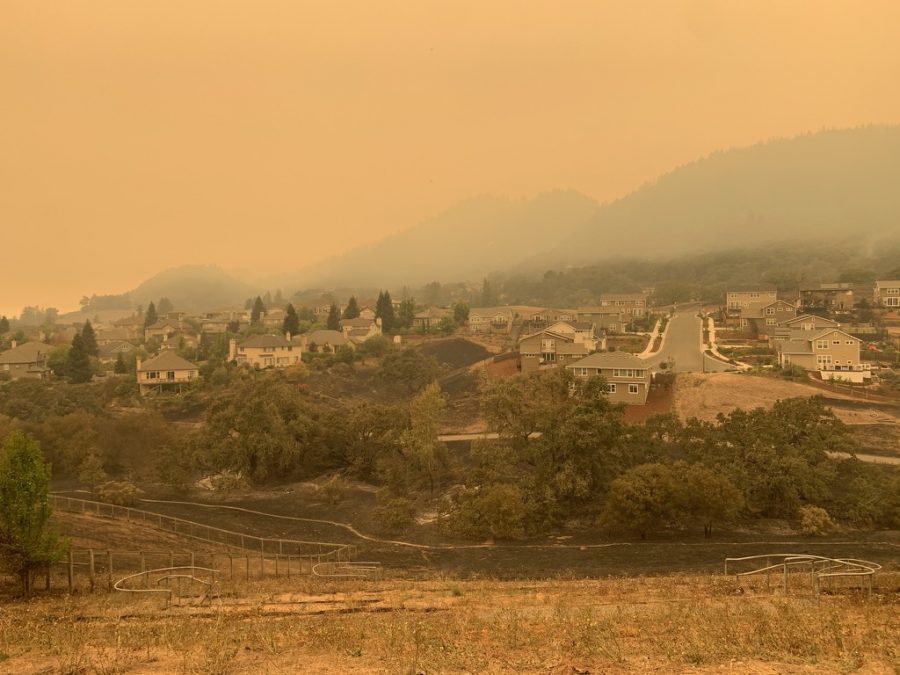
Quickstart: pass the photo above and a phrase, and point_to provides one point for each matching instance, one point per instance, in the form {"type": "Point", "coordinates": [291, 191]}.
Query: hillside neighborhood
{"type": "Point", "coordinates": [830, 331]}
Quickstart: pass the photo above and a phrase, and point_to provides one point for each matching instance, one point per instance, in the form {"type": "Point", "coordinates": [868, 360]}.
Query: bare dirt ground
{"type": "Point", "coordinates": [676, 624]}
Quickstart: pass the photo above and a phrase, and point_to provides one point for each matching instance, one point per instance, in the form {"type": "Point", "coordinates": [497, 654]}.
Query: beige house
{"type": "Point", "coordinates": [265, 351]}
{"type": "Point", "coordinates": [830, 352]}
{"type": "Point", "coordinates": [610, 319]}
{"type": "Point", "coordinates": [490, 320]}
{"type": "Point", "coordinates": [627, 376]}
{"type": "Point", "coordinates": [547, 349]}
{"type": "Point", "coordinates": [25, 361]}
{"type": "Point", "coordinates": [166, 372]}
{"type": "Point", "coordinates": [887, 293]}
{"type": "Point", "coordinates": [359, 330]}
{"type": "Point", "coordinates": [110, 335]}
{"type": "Point", "coordinates": [834, 297]}
{"type": "Point", "coordinates": [162, 329]}
{"type": "Point", "coordinates": [631, 304]}
{"type": "Point", "coordinates": [742, 298]}
{"type": "Point", "coordinates": [581, 331]}
{"type": "Point", "coordinates": [430, 318]}
{"type": "Point", "coordinates": [798, 326]}
{"type": "Point", "coordinates": [760, 318]}
{"type": "Point", "coordinates": [109, 351]}
{"type": "Point", "coordinates": [323, 341]}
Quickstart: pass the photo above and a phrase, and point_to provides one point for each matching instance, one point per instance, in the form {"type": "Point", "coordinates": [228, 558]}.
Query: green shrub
{"type": "Point", "coordinates": [815, 521]}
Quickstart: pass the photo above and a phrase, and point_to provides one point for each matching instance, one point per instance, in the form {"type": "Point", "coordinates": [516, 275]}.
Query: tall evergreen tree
{"type": "Point", "coordinates": [151, 316]}
{"type": "Point", "coordinates": [291, 322]}
{"type": "Point", "coordinates": [4, 324]}
{"type": "Point", "coordinates": [78, 363]}
{"type": "Point", "coordinates": [406, 313]}
{"type": "Point", "coordinates": [334, 318]}
{"type": "Point", "coordinates": [26, 540]}
{"type": "Point", "coordinates": [488, 299]}
{"type": "Point", "coordinates": [165, 306]}
{"type": "Point", "coordinates": [384, 310]}
{"type": "Point", "coordinates": [90, 339]}
{"type": "Point", "coordinates": [259, 309]}
{"type": "Point", "coordinates": [120, 367]}
{"type": "Point", "coordinates": [351, 311]}
{"type": "Point", "coordinates": [278, 300]}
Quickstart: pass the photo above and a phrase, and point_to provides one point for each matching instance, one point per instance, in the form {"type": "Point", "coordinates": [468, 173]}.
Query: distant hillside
{"type": "Point", "coordinates": [193, 288]}
{"type": "Point", "coordinates": [828, 185]}
{"type": "Point", "coordinates": [467, 241]}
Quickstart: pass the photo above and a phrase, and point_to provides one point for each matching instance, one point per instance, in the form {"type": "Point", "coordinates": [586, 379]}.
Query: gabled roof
{"type": "Point", "coordinates": [357, 323]}
{"type": "Point", "coordinates": [265, 341]}
{"type": "Point", "coordinates": [573, 348]}
{"type": "Point", "coordinates": [804, 318]}
{"type": "Point", "coordinates": [115, 347]}
{"type": "Point", "coordinates": [167, 360]}
{"type": "Point", "coordinates": [756, 310]}
{"type": "Point", "coordinates": [549, 334]}
{"type": "Point", "coordinates": [162, 323]}
{"type": "Point", "coordinates": [326, 337]}
{"type": "Point", "coordinates": [887, 283]}
{"type": "Point", "coordinates": [30, 352]}
{"type": "Point", "coordinates": [610, 360]}
{"type": "Point", "coordinates": [489, 311]}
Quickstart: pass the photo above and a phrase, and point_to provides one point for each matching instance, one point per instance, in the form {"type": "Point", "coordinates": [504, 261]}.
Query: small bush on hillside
{"type": "Point", "coordinates": [335, 488]}
{"type": "Point", "coordinates": [815, 521]}
{"type": "Point", "coordinates": [396, 514]}
{"type": "Point", "coordinates": [119, 492]}
{"type": "Point", "coordinates": [497, 511]}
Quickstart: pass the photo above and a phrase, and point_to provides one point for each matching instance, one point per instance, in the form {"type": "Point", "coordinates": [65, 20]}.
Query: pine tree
{"type": "Point", "coordinates": [120, 367]}
{"type": "Point", "coordinates": [259, 309]}
{"type": "Point", "coordinates": [487, 294]}
{"type": "Point", "coordinates": [351, 311]}
{"type": "Point", "coordinates": [90, 339]}
{"type": "Point", "coordinates": [150, 317]}
{"type": "Point", "coordinates": [406, 313]}
{"type": "Point", "coordinates": [78, 362]}
{"type": "Point", "coordinates": [334, 318]}
{"type": "Point", "coordinates": [291, 321]}
{"type": "Point", "coordinates": [164, 307]}
{"type": "Point", "coordinates": [384, 310]}
{"type": "Point", "coordinates": [278, 299]}
{"type": "Point", "coordinates": [4, 324]}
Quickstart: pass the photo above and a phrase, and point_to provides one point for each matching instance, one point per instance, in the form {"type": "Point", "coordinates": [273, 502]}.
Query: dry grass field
{"type": "Point", "coordinates": [681, 624]}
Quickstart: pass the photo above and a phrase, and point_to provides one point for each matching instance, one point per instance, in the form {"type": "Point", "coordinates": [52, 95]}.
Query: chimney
{"type": "Point", "coordinates": [13, 343]}
{"type": "Point", "coordinates": [287, 336]}
{"type": "Point", "coordinates": [232, 349]}
{"type": "Point", "coordinates": [137, 364]}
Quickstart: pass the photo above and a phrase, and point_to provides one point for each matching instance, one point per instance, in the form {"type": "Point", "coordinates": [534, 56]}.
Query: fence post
{"type": "Point", "coordinates": [109, 569]}
{"type": "Point", "coordinates": [276, 565]}
{"type": "Point", "coordinates": [91, 568]}
{"type": "Point", "coordinates": [192, 560]}
{"type": "Point", "coordinates": [143, 569]}
{"type": "Point", "coordinates": [71, 570]}
{"type": "Point", "coordinates": [47, 585]}
{"type": "Point", "coordinates": [230, 566]}
{"type": "Point", "coordinates": [248, 568]}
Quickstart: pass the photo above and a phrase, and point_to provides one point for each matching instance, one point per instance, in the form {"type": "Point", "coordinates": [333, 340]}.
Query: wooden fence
{"type": "Point", "coordinates": [99, 569]}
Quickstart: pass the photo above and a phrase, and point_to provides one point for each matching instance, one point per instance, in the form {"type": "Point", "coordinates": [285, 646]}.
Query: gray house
{"type": "Point", "coordinates": [627, 376]}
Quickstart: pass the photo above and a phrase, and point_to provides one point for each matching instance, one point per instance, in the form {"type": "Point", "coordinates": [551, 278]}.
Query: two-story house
{"type": "Point", "coordinates": [323, 341]}
{"type": "Point", "coordinates": [166, 372]}
{"type": "Point", "coordinates": [609, 319]}
{"type": "Point", "coordinates": [265, 351]}
{"type": "Point", "coordinates": [162, 330]}
{"type": "Point", "coordinates": [887, 293]}
{"type": "Point", "coordinates": [833, 297]}
{"type": "Point", "coordinates": [359, 330]}
{"type": "Point", "coordinates": [633, 305]}
{"type": "Point", "coordinates": [490, 320]}
{"type": "Point", "coordinates": [430, 318]}
{"type": "Point", "coordinates": [830, 352]}
{"type": "Point", "coordinates": [548, 349]}
{"type": "Point", "coordinates": [25, 361]}
{"type": "Point", "coordinates": [797, 327]}
{"type": "Point", "coordinates": [759, 318]}
{"type": "Point", "coordinates": [627, 376]}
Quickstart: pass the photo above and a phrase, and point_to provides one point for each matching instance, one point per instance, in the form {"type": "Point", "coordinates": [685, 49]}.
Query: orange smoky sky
{"type": "Point", "coordinates": [261, 135]}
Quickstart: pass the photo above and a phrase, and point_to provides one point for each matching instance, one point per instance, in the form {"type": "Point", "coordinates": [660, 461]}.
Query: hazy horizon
{"type": "Point", "coordinates": [257, 138]}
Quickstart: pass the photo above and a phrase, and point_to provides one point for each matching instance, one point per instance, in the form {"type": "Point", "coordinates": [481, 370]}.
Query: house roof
{"type": "Point", "coordinates": [756, 310]}
{"type": "Point", "coordinates": [549, 333]}
{"type": "Point", "coordinates": [628, 297]}
{"type": "Point", "coordinates": [357, 323]}
{"type": "Point", "coordinates": [887, 283]}
{"type": "Point", "coordinates": [114, 334]}
{"type": "Point", "coordinates": [29, 352]}
{"type": "Point", "coordinates": [489, 311]}
{"type": "Point", "coordinates": [162, 323]}
{"type": "Point", "coordinates": [265, 341]}
{"type": "Point", "coordinates": [804, 318]}
{"type": "Point", "coordinates": [167, 360]}
{"type": "Point", "coordinates": [326, 337]}
{"type": "Point", "coordinates": [115, 347]}
{"type": "Point", "coordinates": [573, 348]}
{"type": "Point", "coordinates": [796, 347]}
{"type": "Point", "coordinates": [610, 360]}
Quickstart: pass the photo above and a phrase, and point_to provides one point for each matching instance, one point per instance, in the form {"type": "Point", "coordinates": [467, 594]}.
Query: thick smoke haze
{"type": "Point", "coordinates": [261, 137]}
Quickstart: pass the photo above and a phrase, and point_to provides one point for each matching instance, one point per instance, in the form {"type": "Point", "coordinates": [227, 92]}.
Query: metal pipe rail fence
{"type": "Point", "coordinates": [168, 574]}
{"type": "Point", "coordinates": [799, 566]}
{"type": "Point", "coordinates": [202, 532]}
{"type": "Point", "coordinates": [94, 570]}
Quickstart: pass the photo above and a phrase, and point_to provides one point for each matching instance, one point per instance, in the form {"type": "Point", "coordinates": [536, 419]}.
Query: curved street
{"type": "Point", "coordinates": [683, 347]}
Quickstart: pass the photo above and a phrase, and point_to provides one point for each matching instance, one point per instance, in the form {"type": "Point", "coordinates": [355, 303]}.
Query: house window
{"type": "Point", "coordinates": [770, 322]}
{"type": "Point", "coordinates": [823, 359]}
{"type": "Point", "coordinates": [170, 375]}
{"type": "Point", "coordinates": [581, 372]}
{"type": "Point", "coordinates": [546, 345]}
{"type": "Point", "coordinates": [821, 344]}
{"type": "Point", "coordinates": [632, 389]}
{"type": "Point", "coordinates": [610, 388]}
{"type": "Point", "coordinates": [771, 310]}
{"type": "Point", "coordinates": [849, 342]}
{"type": "Point", "coordinates": [153, 375]}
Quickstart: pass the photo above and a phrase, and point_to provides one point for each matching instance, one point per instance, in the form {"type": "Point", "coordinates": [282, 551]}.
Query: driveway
{"type": "Point", "coordinates": [683, 346]}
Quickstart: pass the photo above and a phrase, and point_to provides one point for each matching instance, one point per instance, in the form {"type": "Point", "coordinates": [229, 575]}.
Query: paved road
{"type": "Point", "coordinates": [683, 345]}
